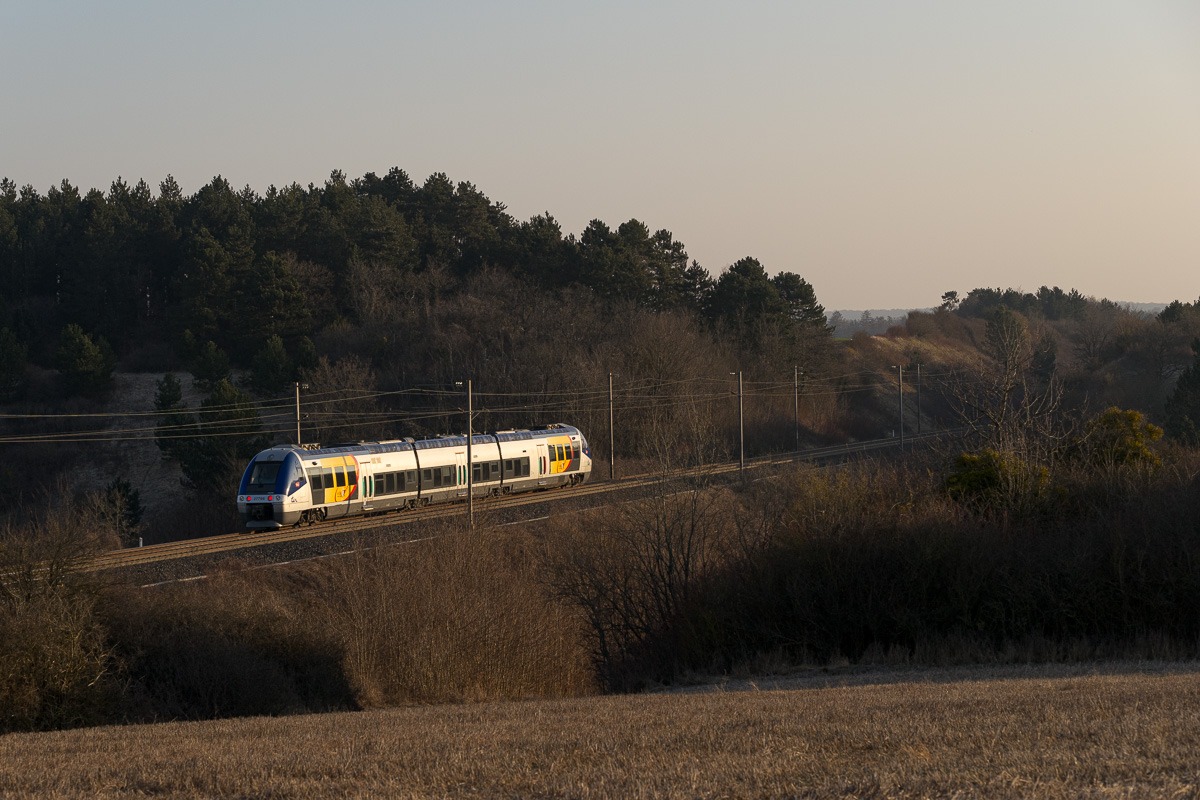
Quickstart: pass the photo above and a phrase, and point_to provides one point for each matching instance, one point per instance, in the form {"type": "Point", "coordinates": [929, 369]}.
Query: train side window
{"type": "Point", "coordinates": [524, 471]}
{"type": "Point", "coordinates": [575, 452]}
{"type": "Point", "coordinates": [352, 476]}
{"type": "Point", "coordinates": [448, 476]}
{"type": "Point", "coordinates": [427, 478]}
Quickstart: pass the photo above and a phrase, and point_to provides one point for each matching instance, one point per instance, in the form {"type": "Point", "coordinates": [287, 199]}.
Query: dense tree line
{"type": "Point", "coordinates": [235, 268]}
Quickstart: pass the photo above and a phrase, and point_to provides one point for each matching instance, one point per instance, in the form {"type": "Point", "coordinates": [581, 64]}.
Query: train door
{"type": "Point", "coordinates": [542, 468]}
{"type": "Point", "coordinates": [460, 469]}
{"type": "Point", "coordinates": [368, 492]}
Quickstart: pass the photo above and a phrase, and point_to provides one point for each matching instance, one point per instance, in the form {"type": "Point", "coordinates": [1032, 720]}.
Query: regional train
{"type": "Point", "coordinates": [290, 484]}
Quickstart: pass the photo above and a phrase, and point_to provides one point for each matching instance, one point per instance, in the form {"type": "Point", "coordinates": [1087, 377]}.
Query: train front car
{"type": "Point", "coordinates": [569, 454]}
{"type": "Point", "coordinates": [585, 458]}
{"type": "Point", "coordinates": [274, 491]}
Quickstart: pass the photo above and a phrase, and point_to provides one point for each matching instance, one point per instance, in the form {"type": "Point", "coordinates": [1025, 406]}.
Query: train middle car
{"type": "Point", "coordinates": [289, 485]}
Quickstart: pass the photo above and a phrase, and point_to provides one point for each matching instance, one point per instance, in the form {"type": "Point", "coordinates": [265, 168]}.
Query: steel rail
{"type": "Point", "coordinates": [229, 542]}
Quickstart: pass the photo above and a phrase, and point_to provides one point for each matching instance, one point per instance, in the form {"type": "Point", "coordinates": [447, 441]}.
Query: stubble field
{"type": "Point", "coordinates": [1015, 732]}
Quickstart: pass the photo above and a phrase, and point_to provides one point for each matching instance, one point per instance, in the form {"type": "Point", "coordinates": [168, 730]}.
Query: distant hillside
{"type": "Point", "coordinates": [1150, 308]}
{"type": "Point", "coordinates": [877, 313]}
{"type": "Point", "coordinates": [900, 313]}
{"type": "Point", "coordinates": [848, 321]}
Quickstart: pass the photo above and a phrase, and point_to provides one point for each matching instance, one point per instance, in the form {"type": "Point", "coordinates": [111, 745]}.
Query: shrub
{"type": "Point", "coordinates": [56, 668]}
{"type": "Point", "coordinates": [1120, 438]}
{"type": "Point", "coordinates": [635, 573]}
{"type": "Point", "coordinates": [990, 480]}
{"type": "Point", "coordinates": [233, 645]}
{"type": "Point", "coordinates": [467, 621]}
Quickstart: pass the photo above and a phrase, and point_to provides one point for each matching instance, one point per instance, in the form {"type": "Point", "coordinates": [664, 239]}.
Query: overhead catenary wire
{"type": "Point", "coordinates": [330, 409]}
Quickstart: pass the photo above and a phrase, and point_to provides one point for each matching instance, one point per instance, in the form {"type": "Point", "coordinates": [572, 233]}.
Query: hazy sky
{"type": "Point", "coordinates": [885, 150]}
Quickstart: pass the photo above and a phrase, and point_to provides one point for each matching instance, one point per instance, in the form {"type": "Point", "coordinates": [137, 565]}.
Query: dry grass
{"type": "Point", "coordinates": [1132, 734]}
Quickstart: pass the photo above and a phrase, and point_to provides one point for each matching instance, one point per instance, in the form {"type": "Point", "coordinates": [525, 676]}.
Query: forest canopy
{"type": "Point", "coordinates": [236, 268]}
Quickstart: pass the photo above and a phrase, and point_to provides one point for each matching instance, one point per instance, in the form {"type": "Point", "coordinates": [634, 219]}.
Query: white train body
{"type": "Point", "coordinates": [288, 485]}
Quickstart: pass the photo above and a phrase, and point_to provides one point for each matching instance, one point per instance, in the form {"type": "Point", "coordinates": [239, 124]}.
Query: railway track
{"type": "Point", "coordinates": [215, 545]}
{"type": "Point", "coordinates": [231, 542]}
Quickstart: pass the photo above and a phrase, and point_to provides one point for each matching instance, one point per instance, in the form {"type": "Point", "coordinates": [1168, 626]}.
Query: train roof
{"type": "Point", "coordinates": [427, 443]}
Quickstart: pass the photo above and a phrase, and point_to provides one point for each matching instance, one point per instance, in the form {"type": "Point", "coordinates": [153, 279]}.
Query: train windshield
{"type": "Point", "coordinates": [273, 477]}
{"type": "Point", "coordinates": [261, 476]}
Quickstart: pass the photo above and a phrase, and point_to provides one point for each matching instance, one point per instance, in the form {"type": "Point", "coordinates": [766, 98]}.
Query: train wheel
{"type": "Point", "coordinates": [320, 514]}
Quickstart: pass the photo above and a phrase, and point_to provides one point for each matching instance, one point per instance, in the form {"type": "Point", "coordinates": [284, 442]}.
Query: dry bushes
{"type": "Point", "coordinates": [878, 563]}
{"type": "Point", "coordinates": [456, 618]}
{"type": "Point", "coordinates": [239, 643]}
{"type": "Point", "coordinates": [636, 574]}
{"type": "Point", "coordinates": [56, 668]}
{"type": "Point", "coordinates": [462, 617]}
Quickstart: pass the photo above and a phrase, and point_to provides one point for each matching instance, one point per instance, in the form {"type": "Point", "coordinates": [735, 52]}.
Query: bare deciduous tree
{"type": "Point", "coordinates": [1005, 403]}
{"type": "Point", "coordinates": [634, 572]}
{"type": "Point", "coordinates": [56, 667]}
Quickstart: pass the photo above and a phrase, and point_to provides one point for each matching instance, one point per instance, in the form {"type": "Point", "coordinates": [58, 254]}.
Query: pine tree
{"type": "Point", "coordinates": [86, 365]}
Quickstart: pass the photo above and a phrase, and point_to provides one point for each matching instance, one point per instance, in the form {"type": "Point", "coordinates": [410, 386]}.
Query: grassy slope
{"type": "Point", "coordinates": [1049, 732]}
